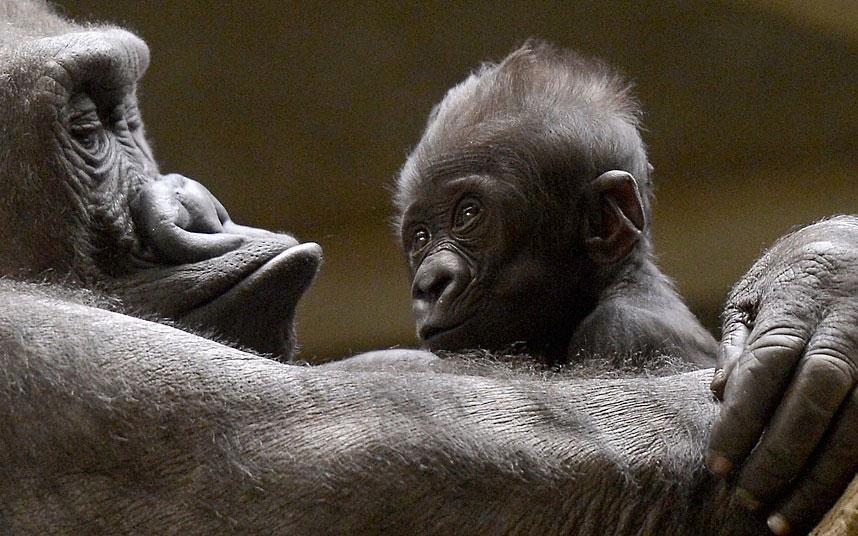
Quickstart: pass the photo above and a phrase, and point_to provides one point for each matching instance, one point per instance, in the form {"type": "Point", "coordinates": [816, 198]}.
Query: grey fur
{"type": "Point", "coordinates": [114, 424]}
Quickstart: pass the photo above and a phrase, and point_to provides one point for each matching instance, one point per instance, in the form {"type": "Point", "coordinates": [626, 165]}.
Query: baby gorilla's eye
{"type": "Point", "coordinates": [467, 213]}
{"type": "Point", "coordinates": [420, 239]}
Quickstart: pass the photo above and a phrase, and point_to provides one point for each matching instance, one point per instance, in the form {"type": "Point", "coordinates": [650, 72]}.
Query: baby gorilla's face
{"type": "Point", "coordinates": [515, 211]}
{"type": "Point", "coordinates": [480, 279]}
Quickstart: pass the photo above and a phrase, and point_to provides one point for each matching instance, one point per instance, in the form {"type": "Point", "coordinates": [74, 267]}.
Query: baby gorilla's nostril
{"type": "Point", "coordinates": [431, 285]}
{"type": "Point", "coordinates": [441, 278]}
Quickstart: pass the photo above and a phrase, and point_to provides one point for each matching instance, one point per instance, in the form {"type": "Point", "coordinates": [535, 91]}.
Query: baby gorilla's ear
{"type": "Point", "coordinates": [616, 217]}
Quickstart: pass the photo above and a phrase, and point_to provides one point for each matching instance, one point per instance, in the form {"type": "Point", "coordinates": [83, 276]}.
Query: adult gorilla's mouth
{"type": "Point", "coordinates": [202, 269]}
{"type": "Point", "coordinates": [259, 310]}
{"type": "Point", "coordinates": [247, 296]}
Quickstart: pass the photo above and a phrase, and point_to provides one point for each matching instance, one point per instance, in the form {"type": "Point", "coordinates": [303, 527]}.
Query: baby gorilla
{"type": "Point", "coordinates": [524, 215]}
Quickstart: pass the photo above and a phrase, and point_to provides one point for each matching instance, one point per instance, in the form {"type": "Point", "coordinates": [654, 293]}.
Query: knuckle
{"type": "Point", "coordinates": [776, 340]}
{"type": "Point", "coordinates": [740, 310]}
{"type": "Point", "coordinates": [735, 334]}
{"type": "Point", "coordinates": [840, 332]}
{"type": "Point", "coordinates": [829, 367]}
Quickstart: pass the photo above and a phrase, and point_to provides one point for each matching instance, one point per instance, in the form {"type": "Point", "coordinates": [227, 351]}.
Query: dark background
{"type": "Point", "coordinates": [297, 115]}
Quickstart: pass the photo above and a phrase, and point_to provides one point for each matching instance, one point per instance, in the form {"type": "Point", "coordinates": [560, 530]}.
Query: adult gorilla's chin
{"type": "Point", "coordinates": [247, 296]}
{"type": "Point", "coordinates": [271, 293]}
{"type": "Point", "coordinates": [201, 269]}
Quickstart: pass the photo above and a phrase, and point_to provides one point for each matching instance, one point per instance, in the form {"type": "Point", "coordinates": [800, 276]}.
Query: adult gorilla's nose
{"type": "Point", "coordinates": [205, 271]}
{"type": "Point", "coordinates": [181, 222]}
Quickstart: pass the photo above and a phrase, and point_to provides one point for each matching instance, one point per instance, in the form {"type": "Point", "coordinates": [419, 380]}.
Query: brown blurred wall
{"type": "Point", "coordinates": [297, 116]}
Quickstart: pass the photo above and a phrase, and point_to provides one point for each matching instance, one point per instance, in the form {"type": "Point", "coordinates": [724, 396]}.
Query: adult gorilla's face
{"type": "Point", "coordinates": [78, 170]}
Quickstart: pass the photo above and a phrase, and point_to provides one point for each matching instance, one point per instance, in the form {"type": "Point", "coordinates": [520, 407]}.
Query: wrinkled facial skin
{"type": "Point", "coordinates": [475, 268]}
{"type": "Point", "coordinates": [96, 212]}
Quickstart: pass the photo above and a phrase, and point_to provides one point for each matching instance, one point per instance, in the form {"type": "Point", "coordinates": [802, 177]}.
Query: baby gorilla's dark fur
{"type": "Point", "coordinates": [524, 213]}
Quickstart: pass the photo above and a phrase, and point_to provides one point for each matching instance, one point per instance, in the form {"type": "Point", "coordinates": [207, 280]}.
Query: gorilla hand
{"type": "Point", "coordinates": [787, 375]}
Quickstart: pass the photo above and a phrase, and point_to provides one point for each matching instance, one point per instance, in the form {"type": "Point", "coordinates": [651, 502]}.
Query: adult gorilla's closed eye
{"type": "Point", "coordinates": [113, 424]}
{"type": "Point", "coordinates": [524, 216]}
{"type": "Point", "coordinates": [82, 201]}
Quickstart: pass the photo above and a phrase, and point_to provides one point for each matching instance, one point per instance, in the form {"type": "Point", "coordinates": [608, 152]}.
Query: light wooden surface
{"type": "Point", "coordinates": [842, 520]}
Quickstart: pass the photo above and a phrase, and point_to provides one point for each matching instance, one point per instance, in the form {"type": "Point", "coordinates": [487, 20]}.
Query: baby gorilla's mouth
{"type": "Point", "coordinates": [431, 334]}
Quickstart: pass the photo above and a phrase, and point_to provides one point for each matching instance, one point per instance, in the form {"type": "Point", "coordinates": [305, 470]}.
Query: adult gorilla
{"type": "Point", "coordinates": [111, 423]}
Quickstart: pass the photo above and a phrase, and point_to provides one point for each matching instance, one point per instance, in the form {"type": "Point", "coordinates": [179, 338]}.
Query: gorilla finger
{"type": "Point", "coordinates": [753, 390]}
{"type": "Point", "coordinates": [834, 465]}
{"type": "Point", "coordinates": [732, 345]}
{"type": "Point", "coordinates": [809, 405]}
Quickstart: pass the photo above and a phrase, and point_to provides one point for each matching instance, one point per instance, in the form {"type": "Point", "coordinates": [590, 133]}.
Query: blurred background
{"type": "Point", "coordinates": [297, 115]}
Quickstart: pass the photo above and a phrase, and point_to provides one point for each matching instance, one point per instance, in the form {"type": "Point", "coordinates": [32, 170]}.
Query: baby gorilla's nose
{"type": "Point", "coordinates": [440, 279]}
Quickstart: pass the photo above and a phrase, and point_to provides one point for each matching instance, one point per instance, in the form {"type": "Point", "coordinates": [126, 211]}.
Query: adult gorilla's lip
{"type": "Point", "coordinates": [298, 263]}
{"type": "Point", "coordinates": [258, 311]}
{"type": "Point", "coordinates": [247, 295]}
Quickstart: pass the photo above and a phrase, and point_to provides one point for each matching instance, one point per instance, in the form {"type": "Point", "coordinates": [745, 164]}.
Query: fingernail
{"type": "Point", "coordinates": [718, 376]}
{"type": "Point", "coordinates": [718, 384]}
{"type": "Point", "coordinates": [717, 463]}
{"type": "Point", "coordinates": [744, 496]}
{"type": "Point", "coordinates": [778, 524]}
